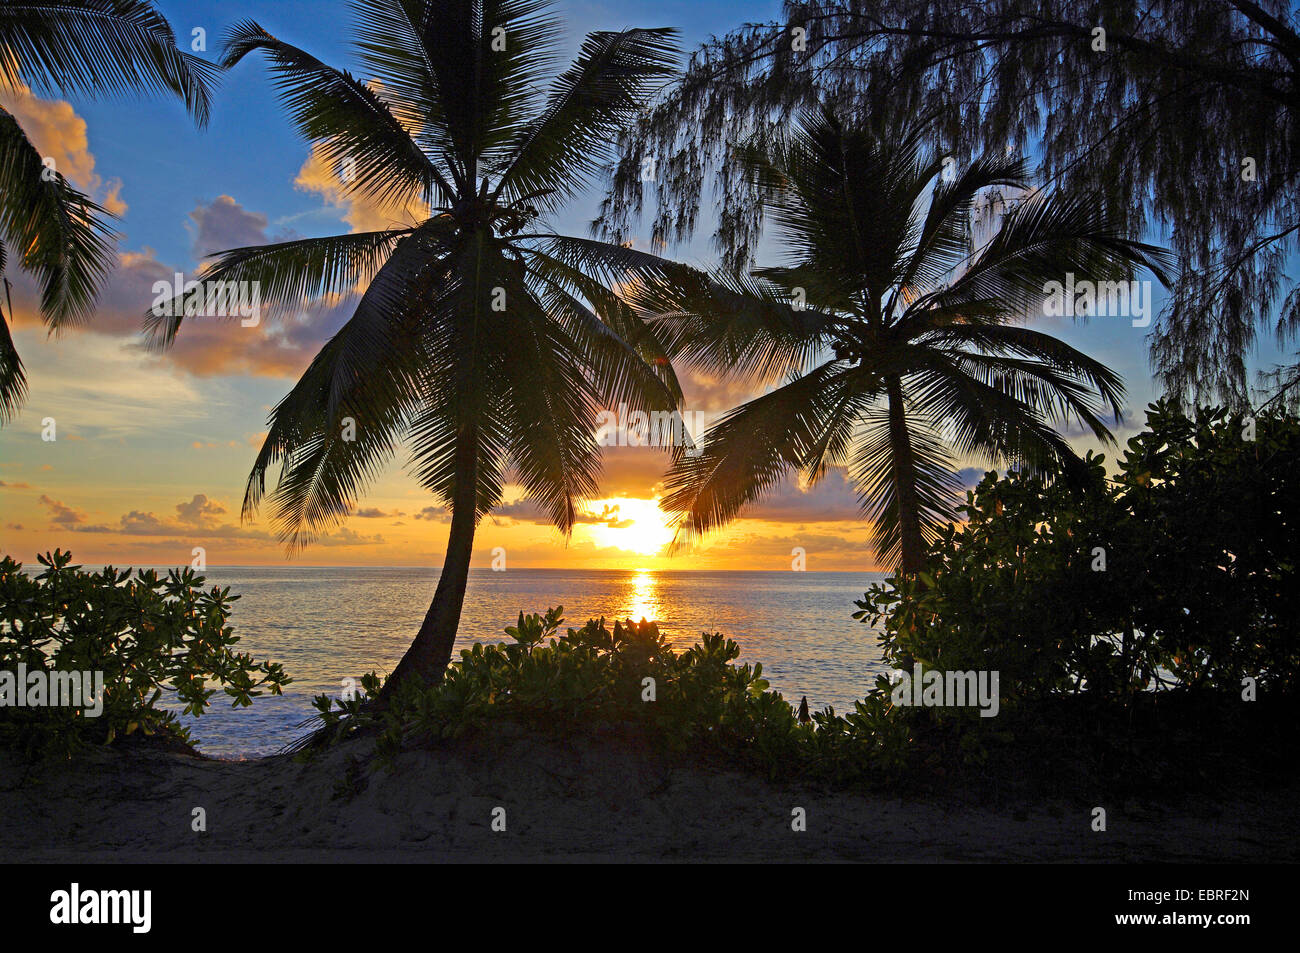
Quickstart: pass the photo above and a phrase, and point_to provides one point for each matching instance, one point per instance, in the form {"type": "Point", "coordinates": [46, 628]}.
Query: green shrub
{"type": "Point", "coordinates": [595, 678]}
{"type": "Point", "coordinates": [1180, 572]}
{"type": "Point", "coordinates": [151, 637]}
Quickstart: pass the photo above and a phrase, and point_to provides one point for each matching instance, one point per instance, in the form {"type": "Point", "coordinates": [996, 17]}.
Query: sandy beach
{"type": "Point", "coordinates": [580, 800]}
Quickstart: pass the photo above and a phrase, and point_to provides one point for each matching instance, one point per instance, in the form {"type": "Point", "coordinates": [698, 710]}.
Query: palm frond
{"type": "Point", "coordinates": [743, 326]}
{"type": "Point", "coordinates": [749, 451]}
{"type": "Point", "coordinates": [622, 354]}
{"type": "Point", "coordinates": [943, 239]}
{"type": "Point", "coordinates": [286, 273]}
{"type": "Point", "coordinates": [62, 236]}
{"type": "Point", "coordinates": [842, 199]}
{"type": "Point", "coordinates": [13, 380]}
{"type": "Point", "coordinates": [1001, 412]}
{"type": "Point", "coordinates": [373, 371]}
{"type": "Point", "coordinates": [98, 47]}
{"type": "Point", "coordinates": [557, 153]}
{"type": "Point", "coordinates": [997, 342]}
{"type": "Point", "coordinates": [347, 120]}
{"type": "Point", "coordinates": [877, 469]}
{"type": "Point", "coordinates": [550, 405]}
{"type": "Point", "coordinates": [1041, 240]}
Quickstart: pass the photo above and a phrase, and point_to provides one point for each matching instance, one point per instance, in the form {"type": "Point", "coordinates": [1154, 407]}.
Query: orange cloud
{"type": "Point", "coordinates": [361, 213]}
{"type": "Point", "coordinates": [61, 513]}
{"type": "Point", "coordinates": [59, 134]}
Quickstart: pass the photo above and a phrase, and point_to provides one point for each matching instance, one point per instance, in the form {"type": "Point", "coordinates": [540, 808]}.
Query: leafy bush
{"type": "Point", "coordinates": [150, 637]}
{"type": "Point", "coordinates": [594, 677]}
{"type": "Point", "coordinates": [1180, 572]}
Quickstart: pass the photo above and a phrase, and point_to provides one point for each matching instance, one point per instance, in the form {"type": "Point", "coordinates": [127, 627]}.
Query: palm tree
{"type": "Point", "coordinates": [91, 48]}
{"type": "Point", "coordinates": [899, 339]}
{"type": "Point", "coordinates": [483, 341]}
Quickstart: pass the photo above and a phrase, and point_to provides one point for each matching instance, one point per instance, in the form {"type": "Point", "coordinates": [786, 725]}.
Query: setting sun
{"type": "Point", "coordinates": [634, 525]}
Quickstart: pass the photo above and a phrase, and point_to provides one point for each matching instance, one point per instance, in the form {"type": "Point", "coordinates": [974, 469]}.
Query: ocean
{"type": "Point", "coordinates": [326, 624]}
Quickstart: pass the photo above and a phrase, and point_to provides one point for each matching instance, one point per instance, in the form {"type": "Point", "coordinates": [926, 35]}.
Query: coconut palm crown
{"type": "Point", "coordinates": [896, 339]}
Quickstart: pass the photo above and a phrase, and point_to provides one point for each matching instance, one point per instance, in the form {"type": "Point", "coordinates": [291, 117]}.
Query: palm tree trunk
{"type": "Point", "coordinates": [909, 507]}
{"type": "Point", "coordinates": [431, 651]}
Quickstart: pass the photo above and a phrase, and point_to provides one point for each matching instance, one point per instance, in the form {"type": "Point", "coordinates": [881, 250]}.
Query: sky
{"type": "Point", "coordinates": [151, 451]}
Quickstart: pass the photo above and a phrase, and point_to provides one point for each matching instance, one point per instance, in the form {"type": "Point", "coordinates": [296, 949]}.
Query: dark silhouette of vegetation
{"type": "Point", "coordinates": [897, 326]}
{"type": "Point", "coordinates": [1178, 573]}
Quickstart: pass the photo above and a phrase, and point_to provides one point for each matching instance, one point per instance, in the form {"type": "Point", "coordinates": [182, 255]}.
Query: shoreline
{"type": "Point", "coordinates": [574, 800]}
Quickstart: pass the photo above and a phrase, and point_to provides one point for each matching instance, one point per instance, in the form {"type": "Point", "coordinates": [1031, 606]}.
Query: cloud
{"type": "Point", "coordinates": [632, 471]}
{"type": "Point", "coordinates": [97, 386]}
{"type": "Point", "coordinates": [59, 134]}
{"type": "Point", "coordinates": [223, 224]}
{"type": "Point", "coordinates": [144, 524]}
{"type": "Point", "coordinates": [360, 212]}
{"type": "Point", "coordinates": [522, 510]}
{"type": "Point", "coordinates": [195, 518]}
{"type": "Point", "coordinates": [969, 477]}
{"type": "Point", "coordinates": [15, 486]}
{"type": "Point", "coordinates": [280, 345]}
{"type": "Point", "coordinates": [61, 513]}
{"type": "Point", "coordinates": [375, 513]}
{"type": "Point", "coordinates": [141, 523]}
{"type": "Point", "coordinates": [820, 550]}
{"type": "Point", "coordinates": [831, 499]}
{"type": "Point", "coordinates": [708, 392]}
{"type": "Point", "coordinates": [347, 537]}
{"type": "Point", "coordinates": [435, 513]}
{"type": "Point", "coordinates": [608, 516]}
{"type": "Point", "coordinates": [200, 511]}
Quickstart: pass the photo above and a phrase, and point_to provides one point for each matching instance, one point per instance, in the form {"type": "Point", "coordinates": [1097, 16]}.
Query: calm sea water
{"type": "Point", "coordinates": [326, 624]}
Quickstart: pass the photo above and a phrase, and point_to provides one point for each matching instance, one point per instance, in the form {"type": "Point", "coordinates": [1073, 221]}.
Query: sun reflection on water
{"type": "Point", "coordinates": [644, 596]}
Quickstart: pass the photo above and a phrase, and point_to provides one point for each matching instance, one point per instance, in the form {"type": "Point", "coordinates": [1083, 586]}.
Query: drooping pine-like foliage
{"type": "Point", "coordinates": [1180, 114]}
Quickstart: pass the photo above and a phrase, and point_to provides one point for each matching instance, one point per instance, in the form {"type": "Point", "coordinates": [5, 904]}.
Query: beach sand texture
{"type": "Point", "coordinates": [570, 800]}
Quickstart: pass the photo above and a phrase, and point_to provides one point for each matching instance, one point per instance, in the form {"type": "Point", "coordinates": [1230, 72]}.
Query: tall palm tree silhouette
{"type": "Point", "coordinates": [484, 341]}
{"type": "Point", "coordinates": [899, 339]}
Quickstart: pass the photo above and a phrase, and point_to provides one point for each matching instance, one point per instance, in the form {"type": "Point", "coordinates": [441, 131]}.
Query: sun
{"type": "Point", "coordinates": [631, 524]}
